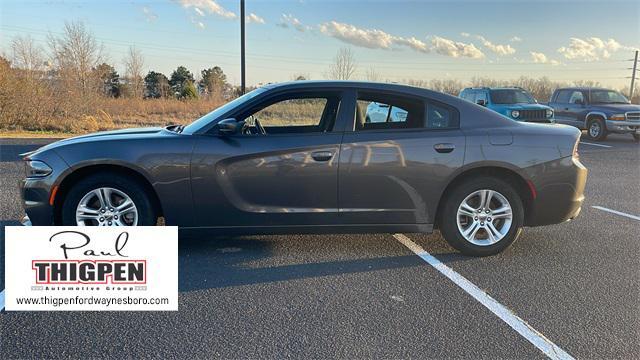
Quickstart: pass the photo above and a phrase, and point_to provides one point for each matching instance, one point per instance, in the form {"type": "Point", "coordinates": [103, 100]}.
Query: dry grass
{"type": "Point", "coordinates": [32, 103]}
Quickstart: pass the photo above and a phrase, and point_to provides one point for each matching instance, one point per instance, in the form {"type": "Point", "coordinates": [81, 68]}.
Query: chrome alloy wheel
{"type": "Point", "coordinates": [484, 217]}
{"type": "Point", "coordinates": [106, 207]}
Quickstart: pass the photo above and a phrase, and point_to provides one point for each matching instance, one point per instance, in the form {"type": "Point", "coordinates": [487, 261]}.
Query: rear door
{"type": "Point", "coordinates": [288, 176]}
{"type": "Point", "coordinates": [565, 111]}
{"type": "Point", "coordinates": [394, 172]}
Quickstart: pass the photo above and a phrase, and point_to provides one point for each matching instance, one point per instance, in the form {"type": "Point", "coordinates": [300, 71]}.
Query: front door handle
{"type": "Point", "coordinates": [322, 155]}
{"type": "Point", "coordinates": [444, 147]}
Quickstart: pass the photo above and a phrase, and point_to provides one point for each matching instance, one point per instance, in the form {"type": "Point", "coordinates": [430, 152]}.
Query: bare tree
{"type": "Point", "coordinates": [372, 74]}
{"type": "Point", "coordinates": [75, 53]}
{"type": "Point", "coordinates": [344, 65]}
{"type": "Point", "coordinates": [27, 55]}
{"type": "Point", "coordinates": [134, 62]}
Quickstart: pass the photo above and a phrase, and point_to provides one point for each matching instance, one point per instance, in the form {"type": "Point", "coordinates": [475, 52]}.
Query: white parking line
{"type": "Point", "coordinates": [2, 300]}
{"type": "Point", "coordinates": [532, 335]}
{"type": "Point", "coordinates": [617, 212]}
{"type": "Point", "coordinates": [604, 146]}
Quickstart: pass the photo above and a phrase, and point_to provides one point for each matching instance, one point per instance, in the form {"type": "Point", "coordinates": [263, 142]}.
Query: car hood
{"type": "Point", "coordinates": [616, 108]}
{"type": "Point", "coordinates": [123, 134]}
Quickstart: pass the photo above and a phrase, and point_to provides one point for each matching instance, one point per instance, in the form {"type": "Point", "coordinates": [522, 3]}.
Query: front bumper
{"type": "Point", "coordinates": [560, 192]}
{"type": "Point", "coordinates": [623, 127]}
{"type": "Point", "coordinates": [35, 200]}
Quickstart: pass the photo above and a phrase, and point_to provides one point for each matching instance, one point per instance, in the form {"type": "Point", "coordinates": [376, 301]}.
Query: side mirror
{"type": "Point", "coordinates": [228, 126]}
{"type": "Point", "coordinates": [480, 102]}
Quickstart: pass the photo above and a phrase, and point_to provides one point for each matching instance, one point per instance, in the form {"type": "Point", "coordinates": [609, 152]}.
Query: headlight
{"type": "Point", "coordinates": [618, 117]}
{"type": "Point", "coordinates": [36, 169]}
{"type": "Point", "coordinates": [549, 113]}
{"type": "Point", "coordinates": [515, 113]}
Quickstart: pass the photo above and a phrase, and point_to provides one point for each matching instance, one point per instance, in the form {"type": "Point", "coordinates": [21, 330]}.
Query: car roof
{"type": "Point", "coordinates": [582, 88]}
{"type": "Point", "coordinates": [495, 88]}
{"type": "Point", "coordinates": [364, 85]}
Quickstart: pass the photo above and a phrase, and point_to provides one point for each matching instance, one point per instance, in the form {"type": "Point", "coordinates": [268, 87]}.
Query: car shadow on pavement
{"type": "Point", "coordinates": [223, 262]}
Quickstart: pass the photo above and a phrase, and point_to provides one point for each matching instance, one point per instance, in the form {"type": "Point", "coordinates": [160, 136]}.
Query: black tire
{"type": "Point", "coordinates": [449, 216]}
{"type": "Point", "coordinates": [596, 129]}
{"type": "Point", "coordinates": [147, 215]}
{"type": "Point", "coordinates": [636, 137]}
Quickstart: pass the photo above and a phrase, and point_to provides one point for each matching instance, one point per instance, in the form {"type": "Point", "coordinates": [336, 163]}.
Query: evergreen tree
{"type": "Point", "coordinates": [189, 90]}
{"type": "Point", "coordinates": [109, 79]}
{"type": "Point", "coordinates": [179, 77]}
{"type": "Point", "coordinates": [214, 81]}
{"type": "Point", "coordinates": [156, 85]}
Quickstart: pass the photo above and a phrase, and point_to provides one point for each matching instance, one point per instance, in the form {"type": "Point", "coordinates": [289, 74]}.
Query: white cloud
{"type": "Point", "coordinates": [199, 12]}
{"type": "Point", "coordinates": [540, 58]}
{"type": "Point", "coordinates": [207, 6]}
{"type": "Point", "coordinates": [200, 24]}
{"type": "Point", "coordinates": [370, 38]}
{"type": "Point", "coordinates": [253, 18]}
{"type": "Point", "coordinates": [591, 49]}
{"type": "Point", "coordinates": [288, 20]}
{"type": "Point", "coordinates": [516, 39]}
{"type": "Point", "coordinates": [149, 14]}
{"type": "Point", "coordinates": [465, 34]}
{"type": "Point", "coordinates": [501, 50]}
{"type": "Point", "coordinates": [455, 49]}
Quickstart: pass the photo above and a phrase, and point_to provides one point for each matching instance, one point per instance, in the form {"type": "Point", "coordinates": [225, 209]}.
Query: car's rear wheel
{"type": "Point", "coordinates": [108, 200]}
{"type": "Point", "coordinates": [482, 216]}
{"type": "Point", "coordinates": [596, 129]}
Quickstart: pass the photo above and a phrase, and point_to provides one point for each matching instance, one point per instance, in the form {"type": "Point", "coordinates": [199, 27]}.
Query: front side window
{"type": "Point", "coordinates": [511, 96]}
{"type": "Point", "coordinates": [384, 111]}
{"type": "Point", "coordinates": [292, 115]}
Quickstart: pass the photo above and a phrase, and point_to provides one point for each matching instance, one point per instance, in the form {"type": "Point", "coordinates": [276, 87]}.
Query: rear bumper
{"type": "Point", "coordinates": [559, 192]}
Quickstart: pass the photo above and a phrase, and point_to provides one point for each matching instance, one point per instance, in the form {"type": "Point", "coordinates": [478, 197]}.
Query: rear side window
{"type": "Point", "coordinates": [481, 95]}
{"type": "Point", "coordinates": [441, 117]}
{"type": "Point", "coordinates": [375, 111]}
{"type": "Point", "coordinates": [575, 97]}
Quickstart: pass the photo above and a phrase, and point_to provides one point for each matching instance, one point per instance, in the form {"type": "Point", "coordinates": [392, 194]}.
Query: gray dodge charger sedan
{"type": "Point", "coordinates": [300, 157]}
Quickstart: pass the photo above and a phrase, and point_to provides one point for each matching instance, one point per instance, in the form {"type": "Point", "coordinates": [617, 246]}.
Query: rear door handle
{"type": "Point", "coordinates": [444, 147]}
{"type": "Point", "coordinates": [322, 155]}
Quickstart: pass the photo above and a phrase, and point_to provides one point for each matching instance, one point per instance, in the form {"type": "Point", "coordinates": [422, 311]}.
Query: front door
{"type": "Point", "coordinates": [281, 170]}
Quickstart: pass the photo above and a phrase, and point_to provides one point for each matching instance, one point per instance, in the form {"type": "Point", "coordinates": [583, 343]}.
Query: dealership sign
{"type": "Point", "coordinates": [91, 268]}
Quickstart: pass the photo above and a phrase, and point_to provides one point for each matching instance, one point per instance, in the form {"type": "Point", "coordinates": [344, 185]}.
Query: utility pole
{"type": "Point", "coordinates": [243, 83]}
{"type": "Point", "coordinates": [633, 75]}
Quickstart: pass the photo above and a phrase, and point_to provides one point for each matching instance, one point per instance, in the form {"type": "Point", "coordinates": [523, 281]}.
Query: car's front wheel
{"type": "Point", "coordinates": [482, 216]}
{"type": "Point", "coordinates": [108, 200]}
{"type": "Point", "coordinates": [596, 129]}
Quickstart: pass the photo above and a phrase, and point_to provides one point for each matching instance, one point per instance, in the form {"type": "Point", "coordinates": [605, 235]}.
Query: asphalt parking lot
{"type": "Point", "coordinates": [363, 296]}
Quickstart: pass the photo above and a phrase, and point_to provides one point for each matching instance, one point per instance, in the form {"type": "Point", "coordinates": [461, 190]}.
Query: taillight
{"type": "Point", "coordinates": [575, 149]}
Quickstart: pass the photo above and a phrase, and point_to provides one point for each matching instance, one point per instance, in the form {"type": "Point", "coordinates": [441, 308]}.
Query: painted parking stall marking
{"type": "Point", "coordinates": [617, 212]}
{"type": "Point", "coordinates": [600, 145]}
{"type": "Point", "coordinates": [519, 325]}
{"type": "Point", "coordinates": [2, 300]}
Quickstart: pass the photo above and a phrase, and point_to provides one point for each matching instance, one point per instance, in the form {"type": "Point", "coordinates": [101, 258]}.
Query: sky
{"type": "Point", "coordinates": [400, 40]}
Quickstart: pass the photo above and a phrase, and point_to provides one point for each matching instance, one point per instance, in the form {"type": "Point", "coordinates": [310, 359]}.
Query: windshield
{"type": "Point", "coordinates": [511, 96]}
{"type": "Point", "coordinates": [607, 97]}
{"type": "Point", "coordinates": [218, 112]}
